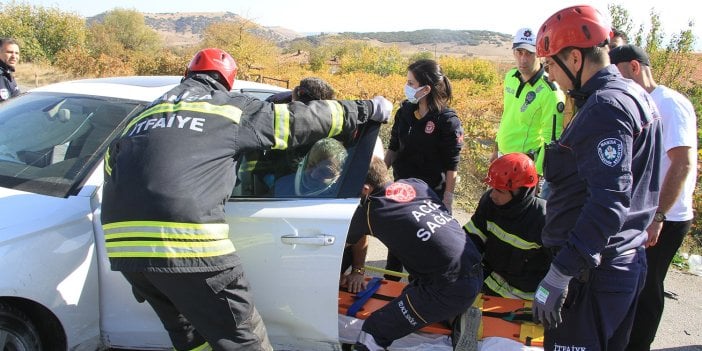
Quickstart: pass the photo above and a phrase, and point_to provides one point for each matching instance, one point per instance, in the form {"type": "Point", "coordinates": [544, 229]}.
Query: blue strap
{"type": "Point", "coordinates": [363, 296]}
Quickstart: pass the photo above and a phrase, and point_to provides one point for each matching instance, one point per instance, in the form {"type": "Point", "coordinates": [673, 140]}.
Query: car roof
{"type": "Point", "coordinates": [139, 88]}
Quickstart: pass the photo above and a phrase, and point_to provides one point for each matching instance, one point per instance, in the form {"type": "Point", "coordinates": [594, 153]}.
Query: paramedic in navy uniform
{"type": "Point", "coordinates": [604, 176]}
{"type": "Point", "coordinates": [411, 220]}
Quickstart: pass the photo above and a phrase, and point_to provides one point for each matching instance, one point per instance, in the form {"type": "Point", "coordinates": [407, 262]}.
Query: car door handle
{"type": "Point", "coordinates": [319, 239]}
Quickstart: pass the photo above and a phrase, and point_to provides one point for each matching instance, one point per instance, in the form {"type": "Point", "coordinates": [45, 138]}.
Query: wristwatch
{"type": "Point", "coordinates": [361, 270]}
{"type": "Point", "coordinates": [659, 217]}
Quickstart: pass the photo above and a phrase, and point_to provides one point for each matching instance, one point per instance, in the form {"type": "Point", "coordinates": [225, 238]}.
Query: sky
{"type": "Point", "coordinates": [314, 16]}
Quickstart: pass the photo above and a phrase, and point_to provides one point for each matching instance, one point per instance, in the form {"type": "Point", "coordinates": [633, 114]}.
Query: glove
{"type": "Point", "coordinates": [381, 109]}
{"type": "Point", "coordinates": [549, 298]}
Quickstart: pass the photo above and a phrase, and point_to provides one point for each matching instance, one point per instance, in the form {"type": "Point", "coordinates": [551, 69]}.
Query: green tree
{"type": "Point", "coordinates": [42, 32]}
{"type": "Point", "coordinates": [251, 52]}
{"type": "Point", "coordinates": [422, 55]}
{"type": "Point", "coordinates": [621, 19]}
{"type": "Point", "coordinates": [362, 57]}
{"type": "Point", "coordinates": [120, 33]}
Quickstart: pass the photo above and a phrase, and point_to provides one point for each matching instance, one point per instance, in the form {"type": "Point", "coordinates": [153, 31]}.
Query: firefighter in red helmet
{"type": "Point", "coordinates": [506, 228]}
{"type": "Point", "coordinates": [603, 172]}
{"type": "Point", "coordinates": [167, 178]}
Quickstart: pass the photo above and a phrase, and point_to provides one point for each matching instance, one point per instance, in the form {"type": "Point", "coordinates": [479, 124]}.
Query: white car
{"type": "Point", "coordinates": [57, 291]}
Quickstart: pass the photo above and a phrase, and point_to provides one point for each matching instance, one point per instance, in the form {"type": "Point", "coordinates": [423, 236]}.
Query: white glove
{"type": "Point", "coordinates": [381, 109]}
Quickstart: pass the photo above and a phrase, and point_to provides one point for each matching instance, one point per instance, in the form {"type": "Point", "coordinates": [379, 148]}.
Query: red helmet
{"type": "Point", "coordinates": [511, 172]}
{"type": "Point", "coordinates": [577, 26]}
{"type": "Point", "coordinates": [216, 60]}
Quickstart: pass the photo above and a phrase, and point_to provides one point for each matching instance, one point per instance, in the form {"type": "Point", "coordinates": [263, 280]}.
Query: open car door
{"type": "Point", "coordinates": [291, 235]}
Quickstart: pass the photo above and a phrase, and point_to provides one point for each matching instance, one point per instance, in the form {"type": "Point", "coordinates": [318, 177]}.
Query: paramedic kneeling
{"type": "Point", "coordinates": [411, 220]}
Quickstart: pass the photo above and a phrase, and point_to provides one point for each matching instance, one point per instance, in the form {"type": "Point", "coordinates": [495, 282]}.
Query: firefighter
{"type": "Point", "coordinates": [412, 221]}
{"type": "Point", "coordinates": [506, 227]}
{"type": "Point", "coordinates": [168, 177]}
{"type": "Point", "coordinates": [605, 183]}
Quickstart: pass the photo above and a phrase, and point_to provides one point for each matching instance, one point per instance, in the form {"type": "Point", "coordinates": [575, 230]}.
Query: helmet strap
{"type": "Point", "coordinates": [576, 79]}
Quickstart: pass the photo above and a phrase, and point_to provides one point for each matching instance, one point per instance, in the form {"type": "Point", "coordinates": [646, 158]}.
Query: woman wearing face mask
{"type": "Point", "coordinates": [427, 136]}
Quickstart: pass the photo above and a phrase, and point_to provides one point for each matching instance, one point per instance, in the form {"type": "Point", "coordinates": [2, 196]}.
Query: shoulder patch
{"type": "Point", "coordinates": [400, 192]}
{"type": "Point", "coordinates": [560, 106]}
{"type": "Point", "coordinates": [4, 94]}
{"type": "Point", "coordinates": [549, 83]}
{"type": "Point", "coordinates": [610, 151]}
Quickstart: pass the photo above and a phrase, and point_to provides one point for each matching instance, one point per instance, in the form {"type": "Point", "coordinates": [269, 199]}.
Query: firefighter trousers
{"type": "Point", "coordinates": [208, 310]}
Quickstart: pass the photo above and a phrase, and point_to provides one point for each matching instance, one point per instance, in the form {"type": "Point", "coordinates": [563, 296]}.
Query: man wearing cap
{"type": "Point", "coordinates": [677, 174]}
{"type": "Point", "coordinates": [533, 105]}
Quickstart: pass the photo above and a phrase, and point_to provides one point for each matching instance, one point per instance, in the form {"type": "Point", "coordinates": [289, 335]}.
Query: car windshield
{"type": "Point", "coordinates": [49, 142]}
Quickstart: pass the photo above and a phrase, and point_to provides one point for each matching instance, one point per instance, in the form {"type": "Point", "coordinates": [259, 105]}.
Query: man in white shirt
{"type": "Point", "coordinates": [678, 174]}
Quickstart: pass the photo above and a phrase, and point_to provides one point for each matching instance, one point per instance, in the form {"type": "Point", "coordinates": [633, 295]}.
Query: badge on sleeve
{"type": "Point", "coordinates": [610, 151]}
{"type": "Point", "coordinates": [400, 192]}
{"type": "Point", "coordinates": [4, 94]}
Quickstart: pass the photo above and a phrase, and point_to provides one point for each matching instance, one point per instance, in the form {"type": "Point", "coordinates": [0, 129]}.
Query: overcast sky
{"type": "Point", "coordinates": [312, 16]}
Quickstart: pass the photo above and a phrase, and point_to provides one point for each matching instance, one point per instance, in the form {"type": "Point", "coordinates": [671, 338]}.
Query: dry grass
{"type": "Point", "coordinates": [32, 75]}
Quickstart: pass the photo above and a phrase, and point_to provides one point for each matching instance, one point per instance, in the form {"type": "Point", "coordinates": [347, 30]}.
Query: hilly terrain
{"type": "Point", "coordinates": [186, 28]}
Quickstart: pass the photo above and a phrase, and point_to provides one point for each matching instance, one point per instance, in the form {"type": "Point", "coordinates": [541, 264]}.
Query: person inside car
{"type": "Point", "coordinates": [317, 173]}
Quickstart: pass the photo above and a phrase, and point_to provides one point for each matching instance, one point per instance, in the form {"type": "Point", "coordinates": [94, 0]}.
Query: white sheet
{"type": "Point", "coordinates": [350, 327]}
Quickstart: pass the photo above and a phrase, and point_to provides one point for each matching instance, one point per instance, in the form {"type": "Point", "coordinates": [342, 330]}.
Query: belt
{"type": "Point", "coordinates": [555, 249]}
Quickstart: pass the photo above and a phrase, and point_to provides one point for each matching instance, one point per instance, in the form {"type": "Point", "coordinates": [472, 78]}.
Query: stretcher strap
{"type": "Point", "coordinates": [363, 296]}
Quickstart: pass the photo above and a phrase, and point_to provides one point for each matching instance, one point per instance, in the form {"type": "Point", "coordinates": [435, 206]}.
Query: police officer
{"type": "Point", "coordinates": [411, 220]}
{"type": "Point", "coordinates": [604, 176]}
{"type": "Point", "coordinates": [506, 227]}
{"type": "Point", "coordinates": [167, 179]}
{"type": "Point", "coordinates": [9, 57]}
{"type": "Point", "coordinates": [532, 105]}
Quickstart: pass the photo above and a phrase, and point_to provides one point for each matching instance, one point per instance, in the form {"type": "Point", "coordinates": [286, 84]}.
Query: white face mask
{"type": "Point", "coordinates": [411, 92]}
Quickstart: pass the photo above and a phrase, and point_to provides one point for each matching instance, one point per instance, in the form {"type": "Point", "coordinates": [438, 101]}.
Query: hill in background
{"type": "Point", "coordinates": [186, 28]}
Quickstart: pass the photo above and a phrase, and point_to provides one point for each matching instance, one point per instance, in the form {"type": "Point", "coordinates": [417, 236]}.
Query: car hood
{"type": "Point", "coordinates": [24, 213]}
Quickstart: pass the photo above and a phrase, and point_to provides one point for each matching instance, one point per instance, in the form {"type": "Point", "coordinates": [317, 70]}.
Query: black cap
{"type": "Point", "coordinates": [627, 53]}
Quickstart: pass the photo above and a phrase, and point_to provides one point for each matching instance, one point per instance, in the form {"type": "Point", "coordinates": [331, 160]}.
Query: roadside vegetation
{"type": "Point", "coordinates": [58, 45]}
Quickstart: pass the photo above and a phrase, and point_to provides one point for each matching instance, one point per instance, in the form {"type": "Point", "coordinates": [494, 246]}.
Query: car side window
{"type": "Point", "coordinates": [308, 171]}
{"type": "Point", "coordinates": [325, 169]}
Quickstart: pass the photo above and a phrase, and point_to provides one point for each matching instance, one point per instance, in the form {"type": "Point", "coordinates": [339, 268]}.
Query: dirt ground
{"type": "Point", "coordinates": [681, 325]}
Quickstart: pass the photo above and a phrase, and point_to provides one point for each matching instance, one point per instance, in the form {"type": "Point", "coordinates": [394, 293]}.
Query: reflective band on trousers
{"type": "Point", "coordinates": [511, 239]}
{"type": "Point", "coordinates": [152, 239]}
{"type": "Point", "coordinates": [499, 285]}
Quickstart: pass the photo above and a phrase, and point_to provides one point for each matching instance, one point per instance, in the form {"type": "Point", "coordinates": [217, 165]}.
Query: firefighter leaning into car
{"type": "Point", "coordinates": [411, 219]}
{"type": "Point", "coordinates": [506, 227]}
{"type": "Point", "coordinates": [604, 176]}
{"type": "Point", "coordinates": [168, 177]}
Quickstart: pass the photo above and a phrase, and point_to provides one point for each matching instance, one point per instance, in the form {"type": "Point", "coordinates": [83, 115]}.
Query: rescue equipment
{"type": "Point", "coordinates": [501, 317]}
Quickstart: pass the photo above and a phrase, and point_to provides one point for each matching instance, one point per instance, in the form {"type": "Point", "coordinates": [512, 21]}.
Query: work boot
{"type": "Point", "coordinates": [464, 334]}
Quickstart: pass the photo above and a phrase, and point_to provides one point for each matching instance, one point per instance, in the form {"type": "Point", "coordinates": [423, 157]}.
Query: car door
{"type": "Point", "coordinates": [291, 244]}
